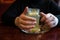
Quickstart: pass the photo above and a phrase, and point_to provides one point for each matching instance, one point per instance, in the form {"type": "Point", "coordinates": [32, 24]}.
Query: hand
{"type": "Point", "coordinates": [49, 19]}
{"type": "Point", "coordinates": [25, 22]}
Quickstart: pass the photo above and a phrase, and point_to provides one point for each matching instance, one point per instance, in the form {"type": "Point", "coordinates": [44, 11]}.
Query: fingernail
{"type": "Point", "coordinates": [33, 22]}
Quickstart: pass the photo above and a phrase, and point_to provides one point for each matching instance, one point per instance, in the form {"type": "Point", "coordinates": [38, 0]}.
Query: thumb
{"type": "Point", "coordinates": [25, 10]}
{"type": "Point", "coordinates": [42, 14]}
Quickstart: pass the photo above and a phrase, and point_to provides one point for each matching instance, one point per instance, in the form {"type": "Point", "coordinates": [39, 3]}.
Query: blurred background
{"type": "Point", "coordinates": [4, 4]}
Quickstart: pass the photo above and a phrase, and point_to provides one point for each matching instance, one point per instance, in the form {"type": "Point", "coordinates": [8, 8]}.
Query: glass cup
{"type": "Point", "coordinates": [34, 12]}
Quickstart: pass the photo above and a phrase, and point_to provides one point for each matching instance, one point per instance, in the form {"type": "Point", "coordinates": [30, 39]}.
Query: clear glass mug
{"type": "Point", "coordinates": [34, 12]}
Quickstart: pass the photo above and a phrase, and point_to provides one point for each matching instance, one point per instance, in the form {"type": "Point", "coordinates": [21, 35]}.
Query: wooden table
{"type": "Point", "coordinates": [13, 33]}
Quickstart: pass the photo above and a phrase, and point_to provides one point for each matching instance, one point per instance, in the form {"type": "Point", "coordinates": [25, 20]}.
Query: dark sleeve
{"type": "Point", "coordinates": [9, 16]}
{"type": "Point", "coordinates": [55, 9]}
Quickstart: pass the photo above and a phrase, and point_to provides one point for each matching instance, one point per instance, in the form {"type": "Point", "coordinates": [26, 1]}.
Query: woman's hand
{"type": "Point", "coordinates": [25, 22]}
{"type": "Point", "coordinates": [49, 19]}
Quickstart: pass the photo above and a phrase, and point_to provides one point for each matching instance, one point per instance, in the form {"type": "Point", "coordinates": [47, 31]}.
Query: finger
{"type": "Point", "coordinates": [47, 21]}
{"type": "Point", "coordinates": [43, 19]}
{"type": "Point", "coordinates": [47, 18]}
{"type": "Point", "coordinates": [21, 27]}
{"type": "Point", "coordinates": [51, 24]}
{"type": "Point", "coordinates": [26, 22]}
{"type": "Point", "coordinates": [24, 17]}
{"type": "Point", "coordinates": [25, 10]}
{"type": "Point", "coordinates": [50, 18]}
{"type": "Point", "coordinates": [26, 26]}
{"type": "Point", "coordinates": [42, 14]}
